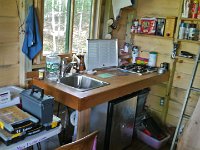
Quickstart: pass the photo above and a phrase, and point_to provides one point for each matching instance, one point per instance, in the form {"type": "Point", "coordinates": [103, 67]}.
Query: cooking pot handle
{"type": "Point", "coordinates": [37, 89]}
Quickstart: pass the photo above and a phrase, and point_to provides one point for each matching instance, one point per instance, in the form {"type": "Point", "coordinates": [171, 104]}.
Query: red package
{"type": "Point", "coordinates": [198, 14]}
{"type": "Point", "coordinates": [148, 25]}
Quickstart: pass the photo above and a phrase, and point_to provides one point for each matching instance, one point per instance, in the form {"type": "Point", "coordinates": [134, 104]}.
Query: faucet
{"type": "Point", "coordinates": [71, 67]}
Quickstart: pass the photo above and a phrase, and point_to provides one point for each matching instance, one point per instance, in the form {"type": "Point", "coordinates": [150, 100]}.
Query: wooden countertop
{"type": "Point", "coordinates": [120, 85]}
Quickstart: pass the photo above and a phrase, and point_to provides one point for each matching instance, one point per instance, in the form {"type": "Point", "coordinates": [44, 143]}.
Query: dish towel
{"type": "Point", "coordinates": [32, 42]}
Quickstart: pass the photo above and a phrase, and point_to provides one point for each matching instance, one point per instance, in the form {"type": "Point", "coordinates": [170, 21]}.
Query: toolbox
{"type": "Point", "coordinates": [15, 120]}
{"type": "Point", "coordinates": [8, 138]}
{"type": "Point", "coordinates": [38, 104]}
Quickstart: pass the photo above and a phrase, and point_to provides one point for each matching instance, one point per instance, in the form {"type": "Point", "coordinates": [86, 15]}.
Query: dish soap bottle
{"type": "Point", "coordinates": [52, 67]}
{"type": "Point", "coordinates": [82, 64]}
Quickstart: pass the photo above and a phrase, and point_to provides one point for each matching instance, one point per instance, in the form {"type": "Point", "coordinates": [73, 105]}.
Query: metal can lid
{"type": "Point", "coordinates": [183, 24]}
{"type": "Point", "coordinates": [193, 25]}
{"type": "Point", "coordinates": [153, 53]}
{"type": "Point", "coordinates": [41, 70]}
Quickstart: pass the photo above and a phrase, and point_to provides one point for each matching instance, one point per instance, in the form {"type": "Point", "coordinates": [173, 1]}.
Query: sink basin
{"type": "Point", "coordinates": [81, 82]}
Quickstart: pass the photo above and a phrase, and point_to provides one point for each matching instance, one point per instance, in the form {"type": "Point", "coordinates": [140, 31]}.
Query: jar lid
{"type": "Point", "coordinates": [183, 24]}
{"type": "Point", "coordinates": [193, 25]}
{"type": "Point", "coordinates": [41, 70]}
{"type": "Point", "coordinates": [153, 53]}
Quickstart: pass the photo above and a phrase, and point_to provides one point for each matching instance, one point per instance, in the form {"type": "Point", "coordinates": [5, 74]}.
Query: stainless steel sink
{"type": "Point", "coordinates": [81, 82]}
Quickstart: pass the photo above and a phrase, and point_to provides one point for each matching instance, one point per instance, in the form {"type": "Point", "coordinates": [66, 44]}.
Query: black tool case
{"type": "Point", "coordinates": [38, 104]}
{"type": "Point", "coordinates": [8, 138]}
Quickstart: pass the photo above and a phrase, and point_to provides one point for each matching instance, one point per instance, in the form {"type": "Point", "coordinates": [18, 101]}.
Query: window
{"type": "Point", "coordinates": [81, 26]}
{"type": "Point", "coordinates": [55, 26]}
{"type": "Point", "coordinates": [56, 31]}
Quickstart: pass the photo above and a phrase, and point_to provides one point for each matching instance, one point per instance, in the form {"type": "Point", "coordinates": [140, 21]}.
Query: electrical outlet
{"type": "Point", "coordinates": [162, 101]}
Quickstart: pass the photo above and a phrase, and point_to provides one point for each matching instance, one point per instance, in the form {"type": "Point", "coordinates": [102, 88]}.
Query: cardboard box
{"type": "Point", "coordinates": [148, 25]}
{"type": "Point", "coordinates": [170, 27]}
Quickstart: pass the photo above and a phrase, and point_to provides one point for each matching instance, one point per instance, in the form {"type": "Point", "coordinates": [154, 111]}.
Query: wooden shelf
{"type": "Point", "coordinates": [190, 19]}
{"type": "Point", "coordinates": [189, 41]}
{"type": "Point", "coordinates": [152, 36]}
{"type": "Point", "coordinates": [38, 66]}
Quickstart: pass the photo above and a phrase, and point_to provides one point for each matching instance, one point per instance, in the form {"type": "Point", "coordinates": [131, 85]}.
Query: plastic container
{"type": "Point", "coordinates": [193, 32]}
{"type": "Point", "coordinates": [181, 33]}
{"type": "Point", "coordinates": [152, 59]}
{"type": "Point", "coordinates": [152, 141]}
{"type": "Point", "coordinates": [135, 53]}
{"type": "Point", "coordinates": [14, 93]}
{"type": "Point", "coordinates": [52, 67]}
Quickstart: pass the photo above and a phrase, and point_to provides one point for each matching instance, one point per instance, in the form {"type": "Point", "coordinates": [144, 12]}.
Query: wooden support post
{"type": "Point", "coordinates": [108, 5]}
{"type": "Point", "coordinates": [83, 123]}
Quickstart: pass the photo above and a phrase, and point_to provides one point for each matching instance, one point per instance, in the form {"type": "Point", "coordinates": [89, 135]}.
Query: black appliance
{"type": "Point", "coordinates": [115, 121]}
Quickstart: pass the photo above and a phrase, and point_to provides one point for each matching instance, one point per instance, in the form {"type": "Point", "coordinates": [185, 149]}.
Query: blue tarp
{"type": "Point", "coordinates": [32, 42]}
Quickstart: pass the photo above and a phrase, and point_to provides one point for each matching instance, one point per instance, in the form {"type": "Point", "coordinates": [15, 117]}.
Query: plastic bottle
{"type": "Point", "coordinates": [52, 67]}
{"type": "Point", "coordinates": [82, 64]}
{"type": "Point", "coordinates": [135, 53]}
{"type": "Point", "coordinates": [152, 59]}
{"type": "Point", "coordinates": [181, 33]}
{"type": "Point", "coordinates": [193, 32]}
{"type": "Point", "coordinates": [187, 29]}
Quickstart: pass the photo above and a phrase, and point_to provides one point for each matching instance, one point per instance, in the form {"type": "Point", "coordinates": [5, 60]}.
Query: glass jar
{"type": "Point", "coordinates": [52, 67]}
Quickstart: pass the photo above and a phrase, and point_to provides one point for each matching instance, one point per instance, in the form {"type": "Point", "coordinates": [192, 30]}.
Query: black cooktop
{"type": "Point", "coordinates": [138, 69]}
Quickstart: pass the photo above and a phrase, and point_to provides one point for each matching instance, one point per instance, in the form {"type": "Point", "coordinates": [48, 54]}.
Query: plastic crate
{"type": "Point", "coordinates": [152, 141]}
{"type": "Point", "coordinates": [14, 93]}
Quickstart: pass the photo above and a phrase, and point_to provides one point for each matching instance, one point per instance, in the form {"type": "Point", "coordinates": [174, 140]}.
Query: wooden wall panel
{"type": "Point", "coordinates": [186, 66]}
{"type": "Point", "coordinates": [158, 90]}
{"type": "Point", "coordinates": [158, 8]}
{"type": "Point", "coordinates": [9, 43]}
{"type": "Point", "coordinates": [9, 54]}
{"type": "Point", "coordinates": [182, 80]}
{"type": "Point", "coordinates": [120, 32]}
{"type": "Point", "coordinates": [8, 8]}
{"type": "Point", "coordinates": [189, 47]}
{"type": "Point", "coordinates": [178, 95]}
{"type": "Point", "coordinates": [160, 45]}
{"type": "Point", "coordinates": [153, 102]}
{"type": "Point", "coordinates": [175, 109]}
{"type": "Point", "coordinates": [173, 121]}
{"type": "Point", "coordinates": [9, 75]}
{"type": "Point", "coordinates": [8, 30]}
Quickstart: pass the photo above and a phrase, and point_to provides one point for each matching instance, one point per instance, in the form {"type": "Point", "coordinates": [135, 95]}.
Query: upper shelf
{"type": "Point", "coordinates": [190, 19]}
{"type": "Point", "coordinates": [152, 36]}
{"type": "Point", "coordinates": [189, 41]}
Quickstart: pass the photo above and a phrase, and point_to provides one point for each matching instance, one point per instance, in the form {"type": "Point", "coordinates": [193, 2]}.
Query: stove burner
{"type": "Point", "coordinates": [139, 69]}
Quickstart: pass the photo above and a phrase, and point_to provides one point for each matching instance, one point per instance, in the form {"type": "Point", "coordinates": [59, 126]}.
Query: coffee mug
{"type": "Point", "coordinates": [164, 65]}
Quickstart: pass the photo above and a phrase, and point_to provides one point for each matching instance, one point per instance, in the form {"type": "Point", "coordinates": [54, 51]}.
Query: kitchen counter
{"type": "Point", "coordinates": [119, 85]}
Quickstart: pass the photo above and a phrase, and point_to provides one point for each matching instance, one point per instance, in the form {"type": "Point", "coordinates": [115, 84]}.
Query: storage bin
{"type": "Point", "coordinates": [14, 95]}
{"type": "Point", "coordinates": [152, 141]}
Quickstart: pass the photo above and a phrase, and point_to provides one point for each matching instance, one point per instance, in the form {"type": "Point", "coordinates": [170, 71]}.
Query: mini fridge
{"type": "Point", "coordinates": [115, 121]}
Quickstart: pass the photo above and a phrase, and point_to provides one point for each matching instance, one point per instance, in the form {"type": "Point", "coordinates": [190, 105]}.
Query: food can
{"type": "Point", "coordinates": [152, 59]}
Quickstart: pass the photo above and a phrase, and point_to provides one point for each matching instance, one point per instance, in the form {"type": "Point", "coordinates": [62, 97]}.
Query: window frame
{"type": "Point", "coordinates": [70, 24]}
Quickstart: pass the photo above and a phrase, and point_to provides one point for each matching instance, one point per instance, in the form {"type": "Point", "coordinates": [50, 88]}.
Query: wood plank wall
{"type": "Point", "coordinates": [9, 43]}
{"type": "Point", "coordinates": [164, 47]}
